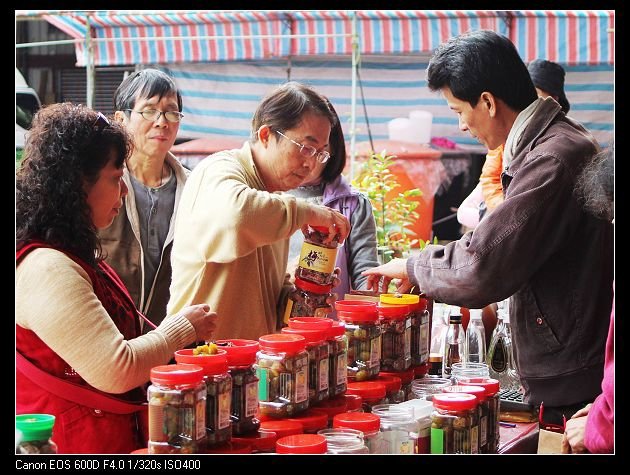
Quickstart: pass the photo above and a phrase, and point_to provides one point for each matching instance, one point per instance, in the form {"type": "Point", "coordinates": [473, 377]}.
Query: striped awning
{"type": "Point", "coordinates": [131, 37]}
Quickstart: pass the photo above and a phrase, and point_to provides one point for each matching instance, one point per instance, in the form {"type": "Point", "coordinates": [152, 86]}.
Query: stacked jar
{"type": "Point", "coordinates": [465, 371]}
{"type": "Point", "coordinates": [479, 427]}
{"type": "Point", "coordinates": [35, 434]}
{"type": "Point", "coordinates": [372, 393]}
{"type": "Point", "coordinates": [302, 444]}
{"type": "Point", "coordinates": [307, 300]}
{"type": "Point", "coordinates": [395, 324]}
{"type": "Point", "coordinates": [393, 387]}
{"type": "Point", "coordinates": [367, 423]}
{"type": "Point", "coordinates": [406, 378]}
{"type": "Point", "coordinates": [318, 256]}
{"type": "Point", "coordinates": [451, 421]}
{"type": "Point", "coordinates": [282, 370]}
{"type": "Point", "coordinates": [364, 338]}
{"type": "Point", "coordinates": [399, 429]}
{"type": "Point", "coordinates": [241, 356]}
{"type": "Point", "coordinates": [177, 409]}
{"type": "Point", "coordinates": [344, 441]}
{"type": "Point", "coordinates": [219, 393]}
{"type": "Point", "coordinates": [338, 367]}
{"type": "Point", "coordinates": [491, 387]}
{"type": "Point", "coordinates": [421, 335]}
{"type": "Point", "coordinates": [317, 350]}
{"type": "Point", "coordinates": [426, 387]}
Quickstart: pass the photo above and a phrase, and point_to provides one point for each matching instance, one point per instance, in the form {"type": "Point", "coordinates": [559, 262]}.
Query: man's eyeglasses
{"type": "Point", "coordinates": [101, 122]}
{"type": "Point", "coordinates": [308, 151]}
{"type": "Point", "coordinates": [153, 115]}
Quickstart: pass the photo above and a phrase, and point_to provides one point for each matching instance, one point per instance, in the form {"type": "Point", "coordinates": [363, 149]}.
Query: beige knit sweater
{"type": "Point", "coordinates": [55, 299]}
{"type": "Point", "coordinates": [231, 244]}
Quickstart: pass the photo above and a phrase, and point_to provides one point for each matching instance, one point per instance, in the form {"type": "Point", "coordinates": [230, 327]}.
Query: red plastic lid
{"type": "Point", "coordinates": [420, 370]}
{"type": "Point", "coordinates": [259, 441]}
{"type": "Point", "coordinates": [423, 303]}
{"type": "Point", "coordinates": [234, 446]}
{"type": "Point", "coordinates": [321, 229]}
{"type": "Point", "coordinates": [211, 364]}
{"type": "Point", "coordinates": [367, 389]}
{"type": "Point", "coordinates": [478, 391]}
{"type": "Point", "coordinates": [281, 342]}
{"type": "Point", "coordinates": [332, 406]}
{"type": "Point", "coordinates": [311, 287]}
{"type": "Point", "coordinates": [490, 385]}
{"type": "Point", "coordinates": [454, 401]}
{"type": "Point", "coordinates": [405, 376]}
{"type": "Point", "coordinates": [310, 323]}
{"type": "Point", "coordinates": [393, 312]}
{"type": "Point", "coordinates": [177, 374]}
{"type": "Point", "coordinates": [302, 444]}
{"type": "Point", "coordinates": [356, 311]}
{"type": "Point", "coordinates": [312, 420]}
{"type": "Point", "coordinates": [281, 427]}
{"type": "Point", "coordinates": [239, 352]}
{"type": "Point", "coordinates": [311, 336]}
{"type": "Point", "coordinates": [337, 329]}
{"type": "Point", "coordinates": [366, 422]}
{"type": "Point", "coordinates": [392, 383]}
{"type": "Point", "coordinates": [143, 451]}
{"type": "Point", "coordinates": [354, 401]}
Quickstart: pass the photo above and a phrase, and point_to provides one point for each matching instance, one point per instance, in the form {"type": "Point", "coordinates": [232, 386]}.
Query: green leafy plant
{"type": "Point", "coordinates": [393, 215]}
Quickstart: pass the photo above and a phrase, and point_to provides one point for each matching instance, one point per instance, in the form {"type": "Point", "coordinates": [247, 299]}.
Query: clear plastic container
{"type": "Point", "coordinates": [219, 393]}
{"type": "Point", "coordinates": [367, 423]}
{"type": "Point", "coordinates": [307, 300]}
{"type": "Point", "coordinates": [364, 338]}
{"type": "Point", "coordinates": [302, 444]}
{"type": "Point", "coordinates": [35, 434]}
{"type": "Point", "coordinates": [177, 409]}
{"type": "Point", "coordinates": [241, 356]}
{"type": "Point", "coordinates": [491, 387]}
{"type": "Point", "coordinates": [422, 410]}
{"type": "Point", "coordinates": [399, 429]}
{"type": "Point", "coordinates": [475, 338]}
{"type": "Point", "coordinates": [426, 387]}
{"type": "Point", "coordinates": [395, 323]}
{"type": "Point", "coordinates": [317, 259]}
{"type": "Point", "coordinates": [282, 370]}
{"type": "Point", "coordinates": [344, 441]}
{"type": "Point", "coordinates": [462, 372]}
{"type": "Point", "coordinates": [479, 427]}
{"type": "Point", "coordinates": [451, 422]}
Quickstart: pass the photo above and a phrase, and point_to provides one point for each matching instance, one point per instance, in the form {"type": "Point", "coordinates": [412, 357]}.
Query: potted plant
{"type": "Point", "coordinates": [394, 214]}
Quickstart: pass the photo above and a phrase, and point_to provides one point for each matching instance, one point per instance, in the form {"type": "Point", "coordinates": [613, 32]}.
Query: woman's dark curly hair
{"type": "Point", "coordinates": [67, 147]}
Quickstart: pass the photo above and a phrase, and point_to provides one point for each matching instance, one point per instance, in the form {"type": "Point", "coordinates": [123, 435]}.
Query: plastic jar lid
{"type": "Point", "coordinates": [281, 427]}
{"type": "Point", "coordinates": [333, 406]}
{"type": "Point", "coordinates": [363, 421]}
{"type": "Point", "coordinates": [259, 441]}
{"type": "Point", "coordinates": [420, 370]}
{"type": "Point", "coordinates": [35, 426]}
{"type": "Point", "coordinates": [392, 383]}
{"type": "Point", "coordinates": [311, 287]}
{"type": "Point", "coordinates": [337, 329]}
{"type": "Point", "coordinates": [177, 374]}
{"type": "Point", "coordinates": [310, 323]}
{"type": "Point", "coordinates": [239, 352]}
{"type": "Point", "coordinates": [312, 420]}
{"type": "Point", "coordinates": [211, 364]}
{"type": "Point", "coordinates": [311, 336]}
{"type": "Point", "coordinates": [405, 376]}
{"type": "Point", "coordinates": [321, 229]}
{"type": "Point", "coordinates": [367, 389]}
{"type": "Point", "coordinates": [281, 342]}
{"type": "Point", "coordinates": [490, 385]}
{"type": "Point", "coordinates": [143, 451]}
{"type": "Point", "coordinates": [423, 304]}
{"type": "Point", "coordinates": [354, 401]}
{"type": "Point", "coordinates": [231, 447]}
{"type": "Point", "coordinates": [400, 299]}
{"type": "Point", "coordinates": [302, 444]}
{"type": "Point", "coordinates": [454, 401]}
{"type": "Point", "coordinates": [393, 312]}
{"type": "Point", "coordinates": [477, 391]}
{"type": "Point", "coordinates": [356, 311]}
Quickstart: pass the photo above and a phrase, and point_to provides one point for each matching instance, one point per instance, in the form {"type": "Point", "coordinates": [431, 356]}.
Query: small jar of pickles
{"type": "Point", "coordinates": [395, 323]}
{"type": "Point", "coordinates": [318, 257]}
{"type": "Point", "coordinates": [451, 423]}
{"type": "Point", "coordinates": [364, 338]}
{"type": "Point", "coordinates": [177, 409]}
{"type": "Point", "coordinates": [282, 370]}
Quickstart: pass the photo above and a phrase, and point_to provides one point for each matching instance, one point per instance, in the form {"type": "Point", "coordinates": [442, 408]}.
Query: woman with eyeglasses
{"type": "Point", "coordinates": [77, 330]}
{"type": "Point", "coordinates": [233, 226]}
{"type": "Point", "coordinates": [138, 244]}
{"type": "Point", "coordinates": [327, 186]}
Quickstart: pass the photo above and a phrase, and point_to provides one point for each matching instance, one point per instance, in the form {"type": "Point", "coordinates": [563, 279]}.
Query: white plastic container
{"type": "Point", "coordinates": [421, 122]}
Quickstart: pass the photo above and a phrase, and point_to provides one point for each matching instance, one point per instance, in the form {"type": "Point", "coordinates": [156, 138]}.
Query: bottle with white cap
{"type": "Point", "coordinates": [475, 338]}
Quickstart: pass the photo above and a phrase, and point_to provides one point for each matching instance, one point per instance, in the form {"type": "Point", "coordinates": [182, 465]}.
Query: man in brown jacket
{"type": "Point", "coordinates": [540, 247]}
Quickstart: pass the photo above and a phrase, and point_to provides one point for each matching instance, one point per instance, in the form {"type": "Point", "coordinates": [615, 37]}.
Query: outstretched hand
{"type": "Point", "coordinates": [202, 319]}
{"type": "Point", "coordinates": [383, 275]}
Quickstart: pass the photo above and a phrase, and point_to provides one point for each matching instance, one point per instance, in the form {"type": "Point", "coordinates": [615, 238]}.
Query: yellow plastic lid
{"type": "Point", "coordinates": [400, 299]}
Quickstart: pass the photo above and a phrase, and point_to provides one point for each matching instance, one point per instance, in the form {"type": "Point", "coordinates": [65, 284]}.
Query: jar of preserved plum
{"type": "Point", "coordinates": [420, 321]}
{"type": "Point", "coordinates": [395, 324]}
{"type": "Point", "coordinates": [177, 409]}
{"type": "Point", "coordinates": [318, 371]}
{"type": "Point", "coordinates": [491, 387]}
{"type": "Point", "coordinates": [307, 300]}
{"type": "Point", "coordinates": [364, 338]}
{"type": "Point", "coordinates": [338, 350]}
{"type": "Point", "coordinates": [317, 258]}
{"type": "Point", "coordinates": [36, 433]}
{"type": "Point", "coordinates": [479, 428]}
{"type": "Point", "coordinates": [393, 388]}
{"type": "Point", "coordinates": [282, 370]}
{"type": "Point", "coordinates": [241, 356]}
{"type": "Point", "coordinates": [219, 392]}
{"type": "Point", "coordinates": [451, 423]}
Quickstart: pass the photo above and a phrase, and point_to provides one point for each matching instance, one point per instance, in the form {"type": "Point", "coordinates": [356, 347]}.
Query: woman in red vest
{"type": "Point", "coordinates": [80, 354]}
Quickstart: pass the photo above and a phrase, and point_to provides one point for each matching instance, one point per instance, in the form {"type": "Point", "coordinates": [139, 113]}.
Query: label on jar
{"type": "Point", "coordinates": [317, 258]}
{"type": "Point", "coordinates": [474, 439]}
{"type": "Point", "coordinates": [263, 383]}
{"type": "Point", "coordinates": [375, 352]}
{"type": "Point", "coordinates": [407, 343]}
{"type": "Point", "coordinates": [301, 386]}
{"type": "Point", "coordinates": [437, 441]}
{"type": "Point", "coordinates": [200, 419]}
{"type": "Point", "coordinates": [224, 410]}
{"type": "Point", "coordinates": [323, 374]}
{"type": "Point", "coordinates": [251, 399]}
{"type": "Point", "coordinates": [423, 349]}
{"type": "Point", "coordinates": [342, 371]}
{"type": "Point", "coordinates": [483, 430]}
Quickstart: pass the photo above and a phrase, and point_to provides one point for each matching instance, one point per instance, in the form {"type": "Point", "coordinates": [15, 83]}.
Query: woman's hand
{"type": "Point", "coordinates": [394, 269]}
{"type": "Point", "coordinates": [337, 223]}
{"type": "Point", "coordinates": [202, 319]}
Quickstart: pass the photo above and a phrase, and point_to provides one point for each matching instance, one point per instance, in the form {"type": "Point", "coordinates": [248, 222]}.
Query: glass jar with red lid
{"type": "Point", "coordinates": [451, 423]}
{"type": "Point", "coordinates": [393, 387]}
{"type": "Point", "coordinates": [318, 256]}
{"type": "Point", "coordinates": [365, 422]}
{"type": "Point", "coordinates": [491, 387]}
{"type": "Point", "coordinates": [395, 322]}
